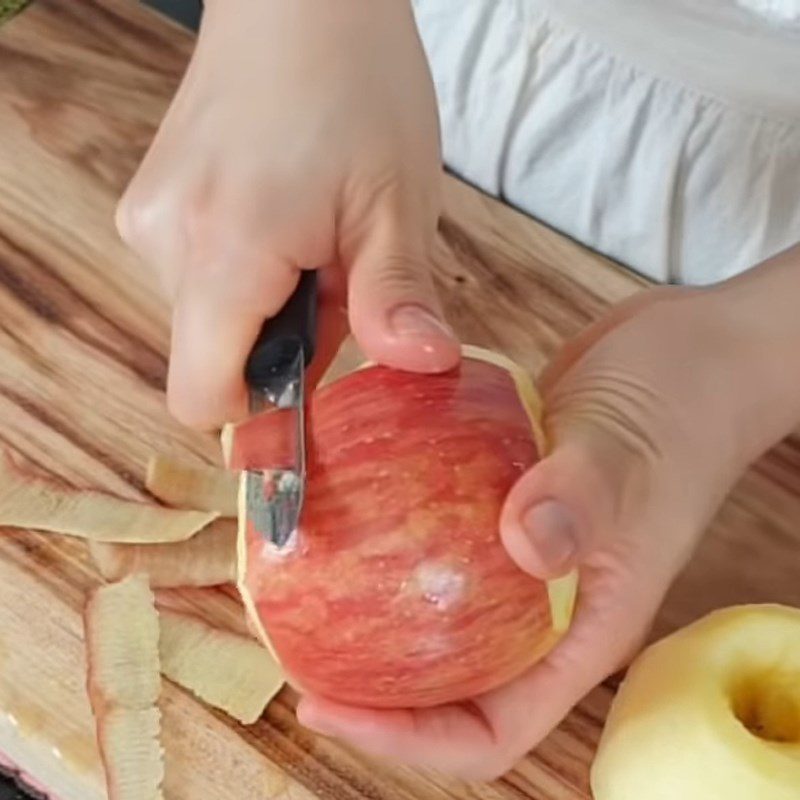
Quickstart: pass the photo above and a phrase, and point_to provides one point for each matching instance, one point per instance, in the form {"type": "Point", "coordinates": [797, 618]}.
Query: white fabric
{"type": "Point", "coordinates": [663, 133]}
{"type": "Point", "coordinates": [781, 11]}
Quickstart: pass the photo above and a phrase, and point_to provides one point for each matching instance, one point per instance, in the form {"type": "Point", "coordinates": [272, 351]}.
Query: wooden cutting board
{"type": "Point", "coordinates": [83, 343]}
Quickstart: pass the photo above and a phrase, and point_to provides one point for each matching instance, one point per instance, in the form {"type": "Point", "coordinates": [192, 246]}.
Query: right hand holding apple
{"type": "Point", "coordinates": [304, 135]}
{"type": "Point", "coordinates": [651, 415]}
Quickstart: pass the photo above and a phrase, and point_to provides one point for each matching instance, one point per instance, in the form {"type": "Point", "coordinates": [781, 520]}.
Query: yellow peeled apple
{"type": "Point", "coordinates": [709, 713]}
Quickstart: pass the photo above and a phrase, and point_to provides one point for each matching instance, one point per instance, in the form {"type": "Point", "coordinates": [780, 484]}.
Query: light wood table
{"type": "Point", "coordinates": [83, 344]}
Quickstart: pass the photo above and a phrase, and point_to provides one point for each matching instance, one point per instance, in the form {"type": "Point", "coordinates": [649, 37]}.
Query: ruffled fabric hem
{"type": "Point", "coordinates": [781, 12]}
{"type": "Point", "coordinates": [679, 185]}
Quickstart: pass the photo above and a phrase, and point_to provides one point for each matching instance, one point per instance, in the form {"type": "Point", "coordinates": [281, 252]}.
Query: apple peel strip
{"type": "Point", "coordinates": [195, 487]}
{"type": "Point", "coordinates": [224, 669]}
{"type": "Point", "coordinates": [207, 559]}
{"type": "Point", "coordinates": [124, 683]}
{"type": "Point", "coordinates": [31, 502]}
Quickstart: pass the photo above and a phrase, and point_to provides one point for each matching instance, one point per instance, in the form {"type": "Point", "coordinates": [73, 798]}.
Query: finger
{"type": "Point", "coordinates": [442, 738]}
{"type": "Point", "coordinates": [395, 314]}
{"type": "Point", "coordinates": [610, 433]}
{"type": "Point", "coordinates": [580, 497]}
{"type": "Point", "coordinates": [614, 423]}
{"type": "Point", "coordinates": [217, 316]}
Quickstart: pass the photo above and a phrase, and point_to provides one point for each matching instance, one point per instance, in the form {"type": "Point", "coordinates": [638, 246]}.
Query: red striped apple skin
{"type": "Point", "coordinates": [397, 591]}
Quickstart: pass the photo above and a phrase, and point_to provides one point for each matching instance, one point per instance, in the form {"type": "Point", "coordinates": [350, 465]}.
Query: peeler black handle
{"type": "Point", "coordinates": [278, 341]}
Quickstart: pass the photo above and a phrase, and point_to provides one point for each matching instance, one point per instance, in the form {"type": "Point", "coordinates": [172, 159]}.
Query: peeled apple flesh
{"type": "Point", "coordinates": [712, 711]}
{"type": "Point", "coordinates": [396, 590]}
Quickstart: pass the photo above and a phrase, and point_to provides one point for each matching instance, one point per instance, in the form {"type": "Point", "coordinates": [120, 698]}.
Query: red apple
{"type": "Point", "coordinates": [397, 591]}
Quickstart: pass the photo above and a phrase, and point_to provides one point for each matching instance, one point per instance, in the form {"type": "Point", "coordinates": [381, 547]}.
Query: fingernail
{"type": "Point", "coordinates": [417, 321]}
{"type": "Point", "coordinates": [550, 528]}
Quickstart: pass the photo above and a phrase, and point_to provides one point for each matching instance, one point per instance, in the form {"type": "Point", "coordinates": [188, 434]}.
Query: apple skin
{"type": "Point", "coordinates": [397, 591]}
{"type": "Point", "coordinates": [709, 713]}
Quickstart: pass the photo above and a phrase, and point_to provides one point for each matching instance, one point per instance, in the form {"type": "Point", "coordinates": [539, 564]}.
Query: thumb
{"type": "Point", "coordinates": [395, 315]}
{"type": "Point", "coordinates": [582, 496]}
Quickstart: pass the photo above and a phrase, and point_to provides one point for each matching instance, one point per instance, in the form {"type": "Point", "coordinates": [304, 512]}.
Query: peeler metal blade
{"type": "Point", "coordinates": [275, 375]}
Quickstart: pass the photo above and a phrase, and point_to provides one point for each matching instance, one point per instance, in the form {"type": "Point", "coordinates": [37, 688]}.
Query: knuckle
{"type": "Point", "coordinates": [137, 217]}
{"type": "Point", "coordinates": [151, 214]}
{"type": "Point", "coordinates": [126, 220]}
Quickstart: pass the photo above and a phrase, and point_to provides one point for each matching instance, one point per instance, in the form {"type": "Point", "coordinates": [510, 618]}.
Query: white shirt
{"type": "Point", "coordinates": [663, 133]}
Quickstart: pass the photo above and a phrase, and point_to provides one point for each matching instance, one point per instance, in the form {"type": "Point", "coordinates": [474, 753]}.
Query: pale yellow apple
{"type": "Point", "coordinates": [709, 713]}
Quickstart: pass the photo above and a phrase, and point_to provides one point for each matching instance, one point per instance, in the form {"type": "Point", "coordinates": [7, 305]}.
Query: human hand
{"type": "Point", "coordinates": [303, 135]}
{"type": "Point", "coordinates": [651, 414]}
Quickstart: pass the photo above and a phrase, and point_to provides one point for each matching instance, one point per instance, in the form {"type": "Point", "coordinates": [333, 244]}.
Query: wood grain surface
{"type": "Point", "coordinates": [83, 344]}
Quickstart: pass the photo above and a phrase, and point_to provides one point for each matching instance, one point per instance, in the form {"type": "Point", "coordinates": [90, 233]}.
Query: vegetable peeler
{"type": "Point", "coordinates": [275, 376]}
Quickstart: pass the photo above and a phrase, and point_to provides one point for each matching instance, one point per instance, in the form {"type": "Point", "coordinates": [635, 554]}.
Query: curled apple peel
{"type": "Point", "coordinates": [228, 671]}
{"type": "Point", "coordinates": [129, 644]}
{"type": "Point", "coordinates": [207, 559]}
{"type": "Point", "coordinates": [124, 682]}
{"type": "Point", "coordinates": [191, 486]}
{"type": "Point", "coordinates": [397, 591]}
{"type": "Point", "coordinates": [32, 502]}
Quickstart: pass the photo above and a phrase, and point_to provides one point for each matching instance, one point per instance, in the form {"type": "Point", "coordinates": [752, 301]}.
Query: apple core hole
{"type": "Point", "coordinates": [768, 705]}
